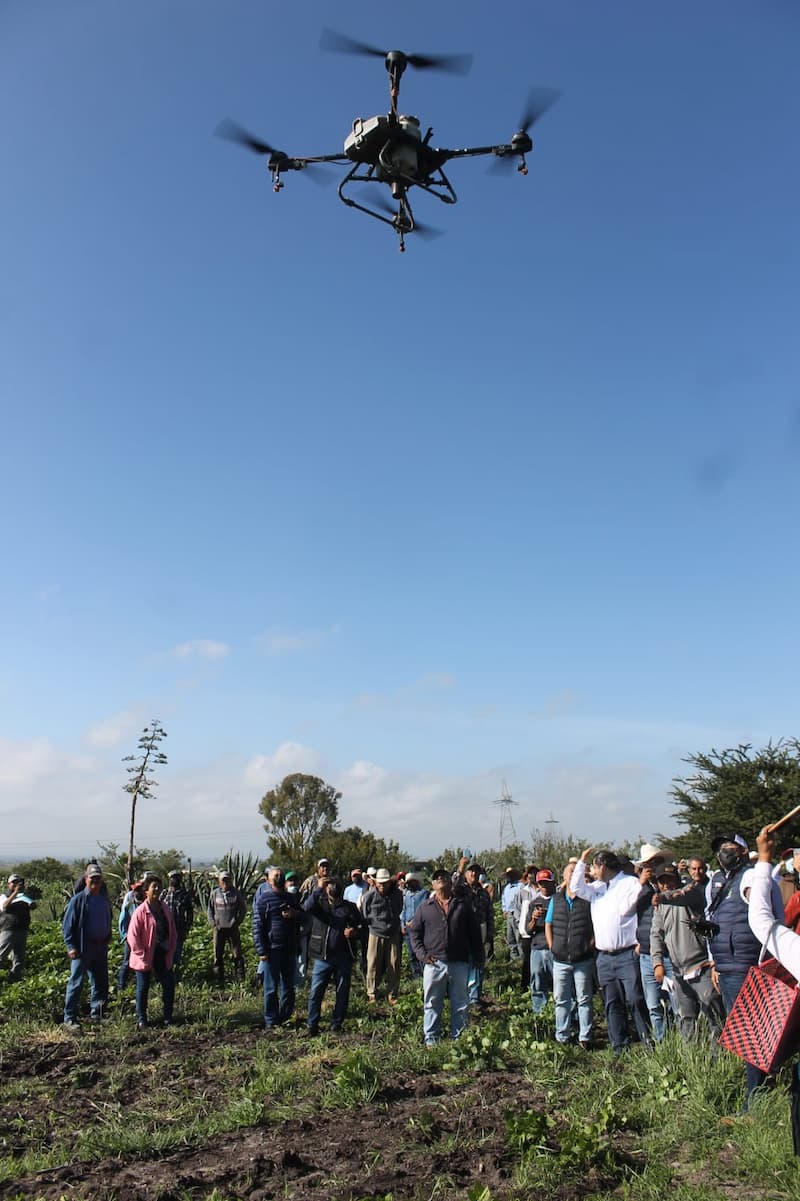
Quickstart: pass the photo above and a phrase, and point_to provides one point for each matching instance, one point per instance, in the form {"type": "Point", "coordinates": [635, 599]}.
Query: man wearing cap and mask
{"type": "Point", "coordinates": [15, 922]}
{"type": "Point", "coordinates": [733, 948]}
{"type": "Point", "coordinates": [275, 922]}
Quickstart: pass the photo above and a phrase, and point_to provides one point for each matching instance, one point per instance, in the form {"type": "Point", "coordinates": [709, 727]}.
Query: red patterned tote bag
{"type": "Point", "coordinates": [763, 1027]}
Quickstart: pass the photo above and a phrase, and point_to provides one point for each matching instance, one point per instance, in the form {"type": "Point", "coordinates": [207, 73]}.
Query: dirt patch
{"type": "Point", "coordinates": [421, 1135]}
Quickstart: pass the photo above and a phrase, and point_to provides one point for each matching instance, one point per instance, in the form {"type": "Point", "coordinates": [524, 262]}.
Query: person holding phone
{"type": "Point", "coordinates": [275, 925]}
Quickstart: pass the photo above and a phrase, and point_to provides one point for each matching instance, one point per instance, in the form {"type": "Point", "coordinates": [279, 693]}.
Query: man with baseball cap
{"type": "Point", "coordinates": [15, 922]}
{"type": "Point", "coordinates": [225, 912]}
{"type": "Point", "coordinates": [87, 932]}
{"type": "Point", "coordinates": [533, 923]}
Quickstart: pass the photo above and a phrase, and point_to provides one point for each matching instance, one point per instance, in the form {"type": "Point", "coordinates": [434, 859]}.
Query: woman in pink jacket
{"type": "Point", "coordinates": [152, 939]}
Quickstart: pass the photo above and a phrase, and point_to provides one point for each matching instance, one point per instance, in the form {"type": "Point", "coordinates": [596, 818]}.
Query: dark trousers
{"type": "Point", "coordinates": [222, 936]}
{"type": "Point", "coordinates": [621, 982]}
{"type": "Point", "coordinates": [525, 963]}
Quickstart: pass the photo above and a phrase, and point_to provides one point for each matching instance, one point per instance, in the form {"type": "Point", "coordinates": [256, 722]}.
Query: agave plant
{"type": "Point", "coordinates": [246, 875]}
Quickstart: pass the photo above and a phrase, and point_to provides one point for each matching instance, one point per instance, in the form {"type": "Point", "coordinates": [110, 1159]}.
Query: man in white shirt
{"type": "Point", "coordinates": [613, 896]}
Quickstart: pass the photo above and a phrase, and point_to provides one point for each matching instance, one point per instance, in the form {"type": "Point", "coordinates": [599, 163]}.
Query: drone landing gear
{"type": "Point", "coordinates": [402, 221]}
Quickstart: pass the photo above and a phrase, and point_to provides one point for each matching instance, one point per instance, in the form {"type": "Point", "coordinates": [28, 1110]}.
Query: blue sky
{"type": "Point", "coordinates": [519, 505]}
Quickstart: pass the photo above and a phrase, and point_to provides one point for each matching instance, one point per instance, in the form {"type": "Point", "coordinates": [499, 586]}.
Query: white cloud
{"type": "Point", "coordinates": [33, 761]}
{"type": "Point", "coordinates": [277, 641]}
{"type": "Point", "coordinates": [110, 731]}
{"type": "Point", "coordinates": [435, 680]}
{"type": "Point", "coordinates": [201, 648]}
{"type": "Point", "coordinates": [265, 771]}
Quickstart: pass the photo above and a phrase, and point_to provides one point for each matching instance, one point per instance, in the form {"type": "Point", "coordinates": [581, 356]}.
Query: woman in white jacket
{"type": "Point", "coordinates": [777, 939]}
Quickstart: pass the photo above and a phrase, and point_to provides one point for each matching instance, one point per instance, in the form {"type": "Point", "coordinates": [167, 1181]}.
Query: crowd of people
{"type": "Point", "coordinates": [663, 943]}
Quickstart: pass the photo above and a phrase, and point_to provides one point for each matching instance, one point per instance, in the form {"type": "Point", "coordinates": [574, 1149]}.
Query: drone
{"type": "Point", "coordinates": [391, 150]}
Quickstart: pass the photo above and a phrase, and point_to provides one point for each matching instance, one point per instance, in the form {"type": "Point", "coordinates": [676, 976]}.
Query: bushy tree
{"type": "Point", "coordinates": [737, 790]}
{"type": "Point", "coordinates": [354, 847]}
{"type": "Point", "coordinates": [296, 814]}
{"type": "Point", "coordinates": [44, 871]}
{"type": "Point", "coordinates": [115, 863]}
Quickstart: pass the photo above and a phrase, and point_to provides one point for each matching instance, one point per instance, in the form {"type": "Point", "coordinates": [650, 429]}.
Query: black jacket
{"type": "Point", "coordinates": [454, 938]}
{"type": "Point", "coordinates": [328, 923]}
{"type": "Point", "coordinates": [573, 934]}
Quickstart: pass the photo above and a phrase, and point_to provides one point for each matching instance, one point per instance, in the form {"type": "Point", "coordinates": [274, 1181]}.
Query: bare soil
{"type": "Point", "coordinates": [420, 1137]}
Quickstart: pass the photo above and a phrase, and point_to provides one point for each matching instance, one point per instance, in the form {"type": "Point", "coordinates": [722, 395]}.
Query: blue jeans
{"type": "Point", "coordinates": [341, 970]}
{"type": "Point", "coordinates": [166, 978]}
{"type": "Point", "coordinates": [620, 979]}
{"type": "Point", "coordinates": [653, 994]}
{"type": "Point", "coordinates": [124, 967]}
{"type": "Point", "coordinates": [513, 936]}
{"type": "Point", "coordinates": [279, 973]}
{"type": "Point", "coordinates": [93, 964]}
{"type": "Point", "coordinates": [573, 984]}
{"type": "Point", "coordinates": [541, 977]}
{"type": "Point", "coordinates": [475, 983]}
{"type": "Point", "coordinates": [440, 980]}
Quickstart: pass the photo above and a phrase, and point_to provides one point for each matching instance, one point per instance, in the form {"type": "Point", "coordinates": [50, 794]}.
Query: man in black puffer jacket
{"type": "Point", "coordinates": [334, 943]}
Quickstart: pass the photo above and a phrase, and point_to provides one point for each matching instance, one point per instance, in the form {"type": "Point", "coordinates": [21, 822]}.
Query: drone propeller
{"type": "Point", "coordinates": [340, 43]}
{"type": "Point", "coordinates": [538, 103]}
{"type": "Point", "coordinates": [235, 133]}
{"type": "Point", "coordinates": [379, 201]}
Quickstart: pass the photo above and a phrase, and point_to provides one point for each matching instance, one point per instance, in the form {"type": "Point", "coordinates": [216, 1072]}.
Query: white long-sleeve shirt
{"type": "Point", "coordinates": [780, 941]}
{"type": "Point", "coordinates": [613, 907]}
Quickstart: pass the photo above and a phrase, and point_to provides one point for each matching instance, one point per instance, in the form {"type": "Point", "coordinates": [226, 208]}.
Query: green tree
{"type": "Point", "coordinates": [140, 784]}
{"type": "Point", "coordinates": [296, 815]}
{"type": "Point", "coordinates": [355, 847]}
{"type": "Point", "coordinates": [737, 790]}
{"type": "Point", "coordinates": [45, 871]}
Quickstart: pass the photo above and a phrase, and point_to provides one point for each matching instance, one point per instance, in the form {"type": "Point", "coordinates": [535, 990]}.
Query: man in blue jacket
{"type": "Point", "coordinates": [275, 916]}
{"type": "Point", "coordinates": [87, 933]}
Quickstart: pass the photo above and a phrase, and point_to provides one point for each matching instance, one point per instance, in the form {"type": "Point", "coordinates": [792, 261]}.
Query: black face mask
{"type": "Point", "coordinates": [278, 880]}
{"type": "Point", "coordinates": [334, 892]}
{"type": "Point", "coordinates": [728, 858]}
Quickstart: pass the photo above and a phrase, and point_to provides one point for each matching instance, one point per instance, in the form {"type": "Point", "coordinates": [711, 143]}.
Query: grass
{"type": "Point", "coordinates": [574, 1124]}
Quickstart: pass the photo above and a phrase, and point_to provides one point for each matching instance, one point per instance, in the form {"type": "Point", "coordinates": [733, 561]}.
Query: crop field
{"type": "Point", "coordinates": [214, 1109]}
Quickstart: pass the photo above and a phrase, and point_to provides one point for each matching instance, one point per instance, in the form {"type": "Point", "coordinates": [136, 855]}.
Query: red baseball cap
{"type": "Point", "coordinates": [544, 874]}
